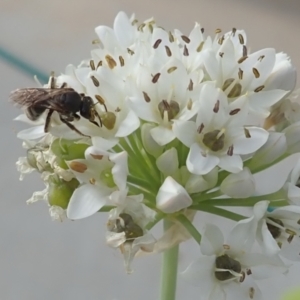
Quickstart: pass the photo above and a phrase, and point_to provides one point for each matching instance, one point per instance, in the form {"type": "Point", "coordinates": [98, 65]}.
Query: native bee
{"type": "Point", "coordinates": [65, 101]}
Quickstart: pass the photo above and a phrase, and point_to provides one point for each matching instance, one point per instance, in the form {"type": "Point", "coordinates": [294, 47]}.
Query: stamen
{"type": "Point", "coordinates": [255, 72]}
{"type": "Point", "coordinates": [191, 85]}
{"type": "Point", "coordinates": [221, 40]}
{"type": "Point", "coordinates": [185, 51]}
{"type": "Point", "coordinates": [251, 292]}
{"type": "Point", "coordinates": [245, 51]}
{"type": "Point", "coordinates": [99, 64]}
{"type": "Point", "coordinates": [155, 77]}
{"type": "Point", "coordinates": [260, 88]}
{"type": "Point", "coordinates": [247, 133]}
{"type": "Point", "coordinates": [110, 61]}
{"type": "Point", "coordinates": [97, 156]}
{"type": "Point", "coordinates": [171, 69]}
{"type": "Point", "coordinates": [216, 107]}
{"type": "Point", "coordinates": [130, 51]}
{"type": "Point", "coordinates": [92, 65]}
{"type": "Point", "coordinates": [186, 39]}
{"type": "Point", "coordinates": [121, 60]}
{"type": "Point", "coordinates": [168, 51]}
{"type": "Point", "coordinates": [230, 151]}
{"type": "Point", "coordinates": [95, 81]}
{"type": "Point", "coordinates": [221, 54]}
{"type": "Point", "coordinates": [171, 37]}
{"type": "Point", "coordinates": [218, 30]}
{"type": "Point", "coordinates": [189, 104]}
{"type": "Point", "coordinates": [241, 39]}
{"type": "Point", "coordinates": [78, 166]}
{"type": "Point", "coordinates": [240, 74]}
{"type": "Point", "coordinates": [234, 111]}
{"type": "Point", "coordinates": [146, 97]}
{"type": "Point", "coordinates": [200, 128]}
{"type": "Point", "coordinates": [243, 58]}
{"type": "Point", "coordinates": [199, 48]}
{"type": "Point", "coordinates": [233, 31]}
{"type": "Point", "coordinates": [157, 43]}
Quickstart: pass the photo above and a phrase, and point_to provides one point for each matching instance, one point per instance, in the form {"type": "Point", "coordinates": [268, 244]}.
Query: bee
{"type": "Point", "coordinates": [69, 104]}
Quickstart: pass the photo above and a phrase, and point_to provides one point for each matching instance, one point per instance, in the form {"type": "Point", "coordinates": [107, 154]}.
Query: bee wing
{"type": "Point", "coordinates": [37, 96]}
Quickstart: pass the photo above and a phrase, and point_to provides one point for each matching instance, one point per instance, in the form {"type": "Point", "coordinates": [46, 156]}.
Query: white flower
{"type": "Point", "coordinates": [126, 226]}
{"type": "Point", "coordinates": [227, 269]}
{"type": "Point", "coordinates": [219, 137]}
{"type": "Point", "coordinates": [100, 175]}
{"type": "Point", "coordinates": [292, 185]}
{"type": "Point", "coordinates": [277, 232]}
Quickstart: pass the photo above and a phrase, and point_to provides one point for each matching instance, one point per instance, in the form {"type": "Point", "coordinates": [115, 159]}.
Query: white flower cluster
{"type": "Point", "coordinates": [177, 124]}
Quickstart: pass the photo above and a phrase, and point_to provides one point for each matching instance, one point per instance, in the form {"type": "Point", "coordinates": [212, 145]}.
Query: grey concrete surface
{"type": "Point", "coordinates": [41, 259]}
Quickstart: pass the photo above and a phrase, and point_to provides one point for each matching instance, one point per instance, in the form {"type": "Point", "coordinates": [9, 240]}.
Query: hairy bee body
{"type": "Point", "coordinates": [65, 101]}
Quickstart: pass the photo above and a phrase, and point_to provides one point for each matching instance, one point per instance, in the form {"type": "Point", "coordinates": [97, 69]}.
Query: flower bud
{"type": "Point", "coordinates": [239, 185]}
{"type": "Point", "coordinates": [172, 197]}
{"type": "Point", "coordinates": [60, 191]}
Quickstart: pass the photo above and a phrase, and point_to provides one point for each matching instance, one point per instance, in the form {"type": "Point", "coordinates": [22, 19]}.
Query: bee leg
{"type": "Point", "coordinates": [71, 126]}
{"type": "Point", "coordinates": [76, 117]}
{"type": "Point", "coordinates": [48, 119]}
{"type": "Point", "coordinates": [96, 114]}
{"type": "Point", "coordinates": [63, 85]}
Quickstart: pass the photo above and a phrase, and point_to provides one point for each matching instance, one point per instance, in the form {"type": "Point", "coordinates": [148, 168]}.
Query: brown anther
{"type": "Point", "coordinates": [218, 30]}
{"type": "Point", "coordinates": [200, 128]}
{"type": "Point", "coordinates": [155, 77]}
{"type": "Point", "coordinates": [233, 31]}
{"type": "Point", "coordinates": [130, 51]}
{"type": "Point", "coordinates": [110, 61]}
{"type": "Point", "coordinates": [199, 48]}
{"type": "Point", "coordinates": [216, 107]}
{"type": "Point", "coordinates": [260, 88]}
{"type": "Point", "coordinates": [240, 73]}
{"type": "Point", "coordinates": [189, 104]}
{"type": "Point", "coordinates": [255, 72]}
{"type": "Point", "coordinates": [291, 232]}
{"type": "Point", "coordinates": [243, 58]}
{"type": "Point", "coordinates": [97, 156]}
{"type": "Point", "coordinates": [290, 238]}
{"type": "Point", "coordinates": [171, 37]}
{"type": "Point", "coordinates": [95, 81]}
{"type": "Point", "coordinates": [99, 64]}
{"type": "Point", "coordinates": [135, 21]}
{"type": "Point", "coordinates": [241, 39]}
{"type": "Point", "coordinates": [234, 111]}
{"type": "Point", "coordinates": [186, 39]}
{"type": "Point", "coordinates": [92, 65]}
{"type": "Point", "coordinates": [202, 30]}
{"type": "Point", "coordinates": [235, 91]}
{"type": "Point", "coordinates": [191, 85]}
{"type": "Point", "coordinates": [185, 51]}
{"type": "Point", "coordinates": [221, 40]}
{"type": "Point", "coordinates": [146, 97]}
{"type": "Point", "coordinates": [279, 244]}
{"type": "Point", "coordinates": [77, 166]}
{"type": "Point", "coordinates": [261, 58]}
{"type": "Point", "coordinates": [245, 51]}
{"type": "Point", "coordinates": [141, 27]}
{"type": "Point", "coordinates": [248, 272]}
{"type": "Point", "coordinates": [251, 292]}
{"type": "Point", "coordinates": [230, 151]}
{"type": "Point", "coordinates": [100, 99]}
{"type": "Point", "coordinates": [298, 222]}
{"type": "Point", "coordinates": [92, 181]}
{"type": "Point", "coordinates": [171, 69]}
{"type": "Point", "coordinates": [242, 278]}
{"type": "Point", "coordinates": [157, 43]}
{"type": "Point", "coordinates": [118, 109]}
{"type": "Point", "coordinates": [168, 51]}
{"type": "Point", "coordinates": [121, 60]}
{"type": "Point", "coordinates": [96, 41]}
{"type": "Point", "coordinates": [247, 133]}
{"type": "Point", "coordinates": [221, 54]}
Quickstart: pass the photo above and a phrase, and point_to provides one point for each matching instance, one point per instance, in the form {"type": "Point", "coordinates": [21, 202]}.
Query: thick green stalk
{"type": "Point", "coordinates": [169, 270]}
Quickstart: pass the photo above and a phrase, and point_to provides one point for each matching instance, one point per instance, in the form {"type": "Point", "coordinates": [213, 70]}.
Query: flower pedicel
{"type": "Point", "coordinates": [157, 125]}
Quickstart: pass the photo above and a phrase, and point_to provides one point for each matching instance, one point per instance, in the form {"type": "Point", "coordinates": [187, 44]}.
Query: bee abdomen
{"type": "Point", "coordinates": [34, 112]}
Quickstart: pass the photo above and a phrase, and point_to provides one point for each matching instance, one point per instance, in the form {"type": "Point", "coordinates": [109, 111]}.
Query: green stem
{"type": "Point", "coordinates": [188, 225]}
{"type": "Point", "coordinates": [218, 211]}
{"type": "Point", "coordinates": [169, 270]}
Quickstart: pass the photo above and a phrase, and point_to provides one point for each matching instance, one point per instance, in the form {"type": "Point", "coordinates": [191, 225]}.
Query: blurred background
{"type": "Point", "coordinates": [41, 259]}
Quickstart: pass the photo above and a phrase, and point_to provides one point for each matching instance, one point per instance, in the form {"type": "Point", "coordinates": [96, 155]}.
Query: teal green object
{"type": "Point", "coordinates": [22, 65]}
